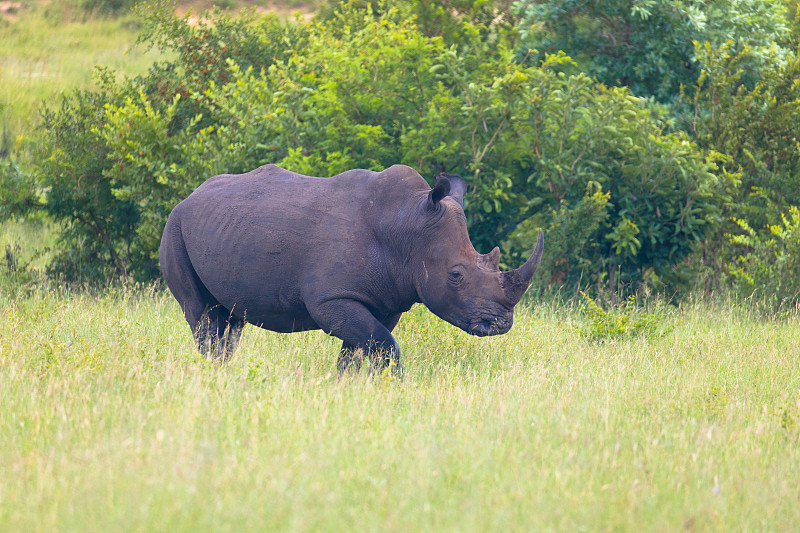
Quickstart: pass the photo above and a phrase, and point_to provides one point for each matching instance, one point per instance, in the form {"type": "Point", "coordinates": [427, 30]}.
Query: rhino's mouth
{"type": "Point", "coordinates": [485, 327]}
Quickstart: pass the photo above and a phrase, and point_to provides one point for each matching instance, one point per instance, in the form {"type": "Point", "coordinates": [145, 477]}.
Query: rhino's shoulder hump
{"type": "Point", "coordinates": [402, 176]}
{"type": "Point", "coordinates": [271, 170]}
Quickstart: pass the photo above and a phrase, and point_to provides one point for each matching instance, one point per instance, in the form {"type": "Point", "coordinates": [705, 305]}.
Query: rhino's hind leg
{"type": "Point", "coordinates": [217, 332]}
{"type": "Point", "coordinates": [350, 358]}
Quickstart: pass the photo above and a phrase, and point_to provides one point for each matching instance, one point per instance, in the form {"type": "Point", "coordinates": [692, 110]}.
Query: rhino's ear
{"type": "Point", "coordinates": [447, 185]}
{"type": "Point", "coordinates": [457, 186]}
{"type": "Point", "coordinates": [439, 191]}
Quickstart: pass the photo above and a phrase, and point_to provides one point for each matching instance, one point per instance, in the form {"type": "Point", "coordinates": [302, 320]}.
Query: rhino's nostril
{"type": "Point", "coordinates": [484, 328]}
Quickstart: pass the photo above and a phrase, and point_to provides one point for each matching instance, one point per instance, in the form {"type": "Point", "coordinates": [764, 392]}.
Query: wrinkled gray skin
{"type": "Point", "coordinates": [347, 254]}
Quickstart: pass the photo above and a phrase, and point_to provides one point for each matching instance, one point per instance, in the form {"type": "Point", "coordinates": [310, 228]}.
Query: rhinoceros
{"type": "Point", "coordinates": [347, 254]}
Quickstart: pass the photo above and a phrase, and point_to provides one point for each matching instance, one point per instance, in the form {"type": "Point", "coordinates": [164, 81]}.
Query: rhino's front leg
{"type": "Point", "coordinates": [348, 358]}
{"type": "Point", "coordinates": [350, 321]}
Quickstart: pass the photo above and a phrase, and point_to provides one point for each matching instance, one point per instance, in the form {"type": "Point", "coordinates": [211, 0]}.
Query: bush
{"type": "Point", "coordinates": [767, 264]}
{"type": "Point", "coordinates": [664, 194]}
{"type": "Point", "coordinates": [112, 162]}
{"type": "Point", "coordinates": [646, 45]}
{"type": "Point", "coordinates": [529, 139]}
{"type": "Point", "coordinates": [455, 21]}
{"type": "Point", "coordinates": [368, 89]}
{"type": "Point", "coordinates": [571, 240]}
{"type": "Point", "coordinates": [70, 168]}
{"type": "Point", "coordinates": [756, 128]}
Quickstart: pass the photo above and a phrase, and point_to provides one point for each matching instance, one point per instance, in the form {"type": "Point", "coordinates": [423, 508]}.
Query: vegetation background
{"type": "Point", "coordinates": [651, 378]}
{"type": "Point", "coordinates": [654, 141]}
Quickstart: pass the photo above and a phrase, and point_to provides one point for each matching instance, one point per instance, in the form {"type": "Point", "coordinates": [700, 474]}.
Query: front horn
{"type": "Point", "coordinates": [515, 282]}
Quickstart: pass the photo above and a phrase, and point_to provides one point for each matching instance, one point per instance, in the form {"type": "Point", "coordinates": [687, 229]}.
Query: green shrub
{"type": "Point", "coordinates": [767, 264]}
{"type": "Point", "coordinates": [112, 162]}
{"type": "Point", "coordinates": [572, 240]}
{"type": "Point", "coordinates": [368, 89]}
{"type": "Point", "coordinates": [664, 194]}
{"type": "Point", "coordinates": [455, 21]}
{"type": "Point", "coordinates": [646, 45]}
{"type": "Point", "coordinates": [756, 128]}
{"type": "Point", "coordinates": [529, 140]}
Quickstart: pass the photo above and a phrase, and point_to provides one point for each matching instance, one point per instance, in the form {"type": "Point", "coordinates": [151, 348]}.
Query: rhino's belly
{"type": "Point", "coordinates": [269, 302]}
{"type": "Point", "coordinates": [276, 309]}
{"type": "Point", "coordinates": [283, 323]}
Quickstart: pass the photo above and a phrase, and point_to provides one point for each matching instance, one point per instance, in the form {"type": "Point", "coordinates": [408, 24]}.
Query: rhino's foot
{"type": "Point", "coordinates": [381, 364]}
{"type": "Point", "coordinates": [350, 359]}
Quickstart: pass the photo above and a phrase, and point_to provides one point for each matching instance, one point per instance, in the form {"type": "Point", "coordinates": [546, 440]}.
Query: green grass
{"type": "Point", "coordinates": [42, 57]}
{"type": "Point", "coordinates": [50, 47]}
{"type": "Point", "coordinates": [110, 421]}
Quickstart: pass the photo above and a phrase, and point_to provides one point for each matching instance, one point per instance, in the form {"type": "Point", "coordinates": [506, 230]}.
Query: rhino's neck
{"type": "Point", "coordinates": [401, 287]}
{"type": "Point", "coordinates": [399, 227]}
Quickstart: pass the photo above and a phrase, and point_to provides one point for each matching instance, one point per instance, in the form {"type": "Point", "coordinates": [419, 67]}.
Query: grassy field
{"type": "Point", "coordinates": [111, 422]}
{"type": "Point", "coordinates": [48, 47]}
{"type": "Point", "coordinates": [43, 56]}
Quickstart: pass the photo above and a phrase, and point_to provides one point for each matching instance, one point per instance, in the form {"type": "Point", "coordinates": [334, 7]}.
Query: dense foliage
{"type": "Point", "coordinates": [756, 128]}
{"type": "Point", "coordinates": [767, 265]}
{"type": "Point", "coordinates": [647, 44]}
{"type": "Point", "coordinates": [631, 192]}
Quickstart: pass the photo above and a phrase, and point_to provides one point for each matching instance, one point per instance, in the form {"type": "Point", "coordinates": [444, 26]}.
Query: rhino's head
{"type": "Point", "coordinates": [454, 281]}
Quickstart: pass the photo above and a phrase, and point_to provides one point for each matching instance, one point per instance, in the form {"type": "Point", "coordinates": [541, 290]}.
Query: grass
{"type": "Point", "coordinates": [110, 421]}
{"type": "Point", "coordinates": [43, 56]}
{"type": "Point", "coordinates": [27, 245]}
{"type": "Point", "coordinates": [50, 47]}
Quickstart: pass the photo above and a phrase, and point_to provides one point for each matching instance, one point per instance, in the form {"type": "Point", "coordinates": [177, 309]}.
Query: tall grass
{"type": "Point", "coordinates": [111, 421]}
{"type": "Point", "coordinates": [25, 246]}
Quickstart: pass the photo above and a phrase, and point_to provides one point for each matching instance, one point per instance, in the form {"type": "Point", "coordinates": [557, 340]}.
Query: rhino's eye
{"type": "Point", "coordinates": [455, 277]}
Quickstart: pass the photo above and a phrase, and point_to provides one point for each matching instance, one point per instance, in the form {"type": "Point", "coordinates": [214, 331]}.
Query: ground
{"type": "Point", "coordinates": [112, 421]}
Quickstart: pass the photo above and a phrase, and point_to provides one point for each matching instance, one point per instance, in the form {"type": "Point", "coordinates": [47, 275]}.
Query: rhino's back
{"type": "Point", "coordinates": [256, 239]}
